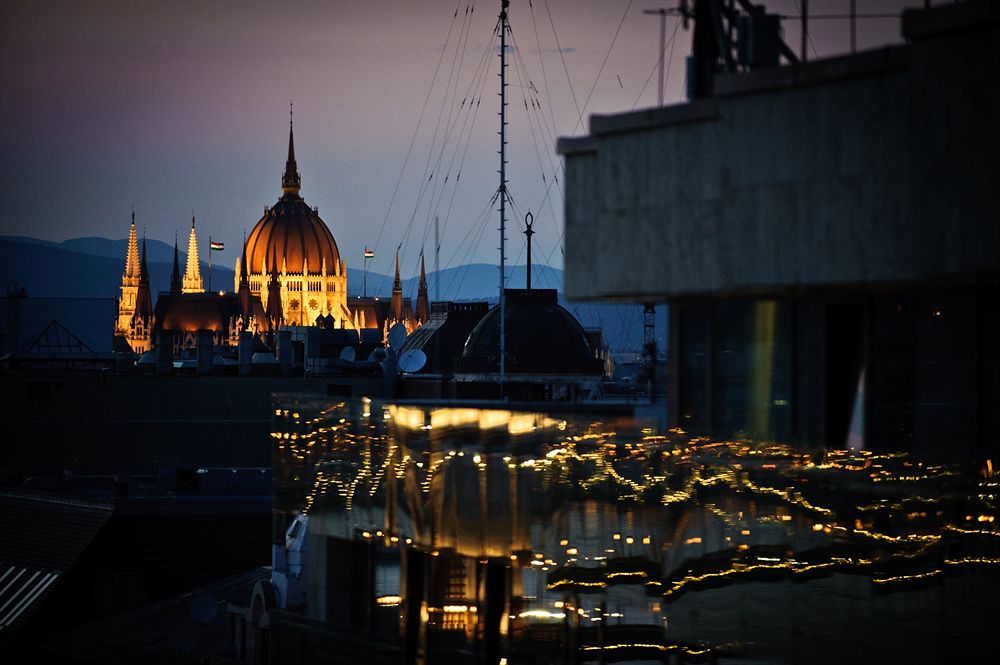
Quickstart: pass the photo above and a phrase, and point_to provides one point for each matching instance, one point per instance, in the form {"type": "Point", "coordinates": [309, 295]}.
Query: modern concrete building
{"type": "Point", "coordinates": [827, 236]}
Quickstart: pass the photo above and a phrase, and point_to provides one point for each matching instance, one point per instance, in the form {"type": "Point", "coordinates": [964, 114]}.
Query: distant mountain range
{"type": "Point", "coordinates": [92, 267]}
{"type": "Point", "coordinates": [88, 267]}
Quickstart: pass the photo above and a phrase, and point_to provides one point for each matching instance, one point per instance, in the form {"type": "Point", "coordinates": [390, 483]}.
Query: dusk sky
{"type": "Point", "coordinates": [174, 107]}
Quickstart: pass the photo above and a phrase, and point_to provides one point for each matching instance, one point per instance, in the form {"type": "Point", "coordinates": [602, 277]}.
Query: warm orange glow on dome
{"type": "Point", "coordinates": [294, 232]}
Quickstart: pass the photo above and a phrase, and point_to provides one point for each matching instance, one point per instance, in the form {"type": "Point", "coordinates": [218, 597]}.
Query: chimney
{"type": "Point", "coordinates": [165, 352]}
{"type": "Point", "coordinates": [205, 351]}
{"type": "Point", "coordinates": [245, 349]}
{"type": "Point", "coordinates": [284, 351]}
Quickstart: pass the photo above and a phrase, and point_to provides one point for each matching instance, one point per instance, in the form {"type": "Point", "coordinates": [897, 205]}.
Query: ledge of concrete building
{"type": "Point", "coordinates": [917, 23]}
{"type": "Point", "coordinates": [856, 65]}
{"type": "Point", "coordinates": [777, 290]}
{"type": "Point", "coordinates": [678, 114]}
{"type": "Point", "coordinates": [575, 145]}
{"type": "Point", "coordinates": [955, 17]}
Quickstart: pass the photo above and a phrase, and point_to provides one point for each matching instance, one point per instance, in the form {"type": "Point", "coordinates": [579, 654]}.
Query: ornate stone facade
{"type": "Point", "coordinates": [290, 273]}
{"type": "Point", "coordinates": [293, 242]}
{"type": "Point", "coordinates": [135, 305]}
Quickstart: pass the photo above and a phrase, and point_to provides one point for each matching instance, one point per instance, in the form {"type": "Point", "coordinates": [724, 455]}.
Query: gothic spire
{"type": "Point", "coordinates": [143, 300]}
{"type": "Point", "coordinates": [397, 294]}
{"type": "Point", "coordinates": [175, 276]}
{"type": "Point", "coordinates": [274, 309]}
{"type": "Point", "coordinates": [132, 257]}
{"type": "Point", "coordinates": [273, 268]}
{"type": "Point", "coordinates": [423, 306]}
{"type": "Point", "coordinates": [244, 286]}
{"type": "Point", "coordinates": [290, 182]}
{"type": "Point", "coordinates": [243, 261]}
{"type": "Point", "coordinates": [192, 271]}
{"type": "Point", "coordinates": [130, 285]}
{"type": "Point", "coordinates": [143, 270]}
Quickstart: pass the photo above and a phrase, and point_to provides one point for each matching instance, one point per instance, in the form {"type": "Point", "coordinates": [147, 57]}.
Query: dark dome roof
{"type": "Point", "coordinates": [293, 231]}
{"type": "Point", "coordinates": [541, 336]}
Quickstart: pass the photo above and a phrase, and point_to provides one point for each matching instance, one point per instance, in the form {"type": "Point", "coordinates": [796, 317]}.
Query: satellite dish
{"type": "Point", "coordinates": [397, 335]}
{"type": "Point", "coordinates": [412, 360]}
{"type": "Point", "coordinates": [348, 353]}
{"type": "Point", "coordinates": [377, 355]}
{"type": "Point", "coordinates": [204, 608]}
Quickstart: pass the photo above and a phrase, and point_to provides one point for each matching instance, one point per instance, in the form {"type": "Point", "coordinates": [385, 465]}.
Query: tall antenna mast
{"type": "Point", "coordinates": [504, 4]}
{"type": "Point", "coordinates": [437, 266]}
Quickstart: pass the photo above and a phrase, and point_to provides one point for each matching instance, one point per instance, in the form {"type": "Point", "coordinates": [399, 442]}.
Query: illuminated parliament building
{"type": "Point", "coordinates": [290, 273]}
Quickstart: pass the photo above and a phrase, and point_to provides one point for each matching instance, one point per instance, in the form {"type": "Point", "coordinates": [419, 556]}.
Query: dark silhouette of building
{"type": "Point", "coordinates": [75, 549]}
{"type": "Point", "coordinates": [545, 347]}
{"type": "Point", "coordinates": [825, 233]}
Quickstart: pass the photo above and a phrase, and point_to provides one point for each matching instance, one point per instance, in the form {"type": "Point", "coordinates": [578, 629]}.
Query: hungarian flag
{"type": "Point", "coordinates": [216, 246]}
{"type": "Point", "coordinates": [369, 253]}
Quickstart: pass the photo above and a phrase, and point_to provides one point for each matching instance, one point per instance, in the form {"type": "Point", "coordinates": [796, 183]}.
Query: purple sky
{"type": "Point", "coordinates": [180, 106]}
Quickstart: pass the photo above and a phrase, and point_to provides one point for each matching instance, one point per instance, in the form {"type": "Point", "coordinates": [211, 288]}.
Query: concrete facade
{"type": "Point", "coordinates": [827, 236]}
{"type": "Point", "coordinates": [876, 168]}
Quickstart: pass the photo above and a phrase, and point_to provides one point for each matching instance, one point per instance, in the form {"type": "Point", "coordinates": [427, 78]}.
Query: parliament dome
{"type": "Point", "coordinates": [293, 232]}
{"type": "Point", "coordinates": [290, 231]}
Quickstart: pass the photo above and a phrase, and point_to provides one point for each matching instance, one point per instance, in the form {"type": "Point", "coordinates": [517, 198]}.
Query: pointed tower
{"type": "Point", "coordinates": [138, 336]}
{"type": "Point", "coordinates": [423, 305]}
{"type": "Point", "coordinates": [310, 270]}
{"type": "Point", "coordinates": [192, 272]}
{"type": "Point", "coordinates": [244, 288]}
{"type": "Point", "coordinates": [130, 283]}
{"type": "Point", "coordinates": [132, 258]}
{"type": "Point", "coordinates": [397, 294]}
{"type": "Point", "coordinates": [175, 276]}
{"type": "Point", "coordinates": [143, 301]}
{"type": "Point", "coordinates": [290, 182]}
{"type": "Point", "coordinates": [274, 309]}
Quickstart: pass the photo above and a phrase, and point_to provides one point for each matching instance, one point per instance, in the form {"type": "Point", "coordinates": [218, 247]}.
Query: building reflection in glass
{"type": "Point", "coordinates": [480, 534]}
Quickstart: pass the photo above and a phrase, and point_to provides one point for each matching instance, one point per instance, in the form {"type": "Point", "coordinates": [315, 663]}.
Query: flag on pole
{"type": "Point", "coordinates": [216, 246]}
{"type": "Point", "coordinates": [369, 253]}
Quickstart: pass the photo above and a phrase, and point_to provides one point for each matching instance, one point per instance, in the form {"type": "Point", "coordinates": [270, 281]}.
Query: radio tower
{"type": "Point", "coordinates": [504, 4]}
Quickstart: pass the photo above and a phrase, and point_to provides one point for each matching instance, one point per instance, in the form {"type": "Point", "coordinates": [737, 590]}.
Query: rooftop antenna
{"type": "Point", "coordinates": [396, 336]}
{"type": "Point", "coordinates": [528, 219]}
{"type": "Point", "coordinates": [662, 13]}
{"type": "Point", "coordinates": [504, 4]}
{"type": "Point", "coordinates": [412, 360]}
{"type": "Point", "coordinates": [437, 266]}
{"type": "Point", "coordinates": [804, 8]}
{"type": "Point", "coordinates": [854, 33]}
